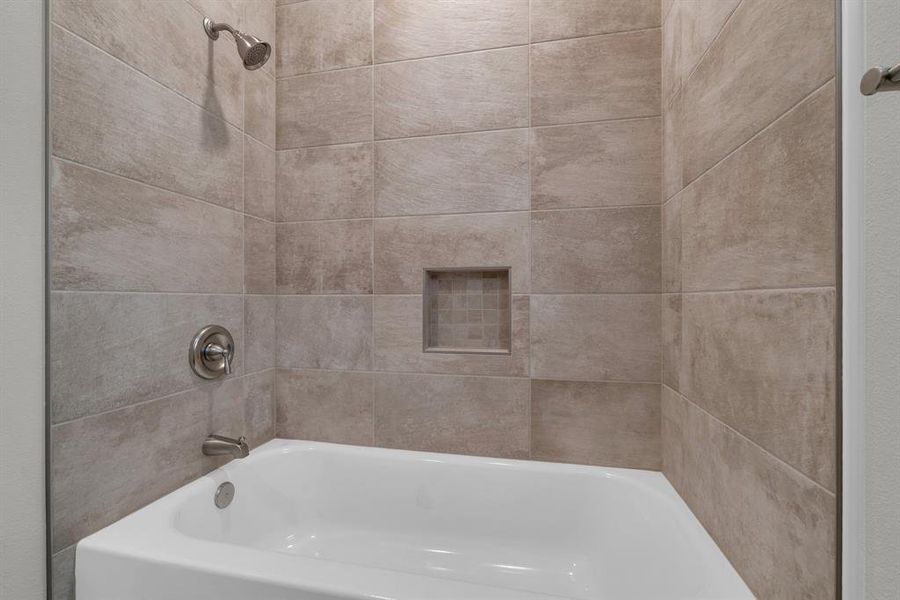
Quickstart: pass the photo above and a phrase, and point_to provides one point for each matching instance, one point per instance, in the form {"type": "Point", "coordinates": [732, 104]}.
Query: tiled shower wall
{"type": "Point", "coordinates": [416, 134]}
{"type": "Point", "coordinates": [749, 307]}
{"type": "Point", "coordinates": [162, 221]}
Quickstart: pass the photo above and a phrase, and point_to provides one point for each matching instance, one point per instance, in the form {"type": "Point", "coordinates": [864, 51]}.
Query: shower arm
{"type": "Point", "coordinates": [213, 29]}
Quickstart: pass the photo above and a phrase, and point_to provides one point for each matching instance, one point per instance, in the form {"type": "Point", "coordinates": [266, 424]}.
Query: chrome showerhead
{"type": "Point", "coordinates": [254, 52]}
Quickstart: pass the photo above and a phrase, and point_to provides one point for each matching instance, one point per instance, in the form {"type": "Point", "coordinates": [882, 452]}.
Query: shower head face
{"type": "Point", "coordinates": [254, 52]}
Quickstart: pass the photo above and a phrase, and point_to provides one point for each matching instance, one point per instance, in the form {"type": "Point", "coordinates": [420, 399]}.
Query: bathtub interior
{"type": "Point", "coordinates": [559, 530]}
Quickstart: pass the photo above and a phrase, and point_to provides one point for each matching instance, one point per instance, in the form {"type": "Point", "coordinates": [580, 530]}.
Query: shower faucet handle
{"type": "Point", "coordinates": [211, 352]}
{"type": "Point", "coordinates": [215, 352]}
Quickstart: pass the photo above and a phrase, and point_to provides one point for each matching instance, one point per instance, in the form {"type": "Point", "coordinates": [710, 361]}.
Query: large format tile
{"type": "Point", "coordinates": [406, 246]}
{"type": "Point", "coordinates": [595, 78]}
{"type": "Point", "coordinates": [765, 216]}
{"type": "Point", "coordinates": [324, 332]}
{"type": "Point", "coordinates": [610, 424]}
{"type": "Point", "coordinates": [320, 35]}
{"type": "Point", "coordinates": [63, 574]}
{"type": "Point", "coordinates": [450, 94]}
{"type": "Point", "coordinates": [398, 342]}
{"type": "Point", "coordinates": [556, 19]}
{"type": "Point", "coordinates": [775, 526]}
{"type": "Point", "coordinates": [599, 338]}
{"type": "Point", "coordinates": [764, 363]}
{"type": "Point", "coordinates": [464, 173]}
{"type": "Point", "coordinates": [324, 257]}
{"type": "Point", "coordinates": [109, 350]}
{"type": "Point", "coordinates": [325, 406]}
{"type": "Point", "coordinates": [111, 233]}
{"type": "Point", "coordinates": [259, 106]}
{"type": "Point", "coordinates": [673, 146]}
{"type": "Point", "coordinates": [431, 27]}
{"type": "Point", "coordinates": [687, 33]}
{"type": "Point", "coordinates": [671, 245]}
{"type": "Point", "coordinates": [208, 74]}
{"type": "Point", "coordinates": [259, 333]}
{"type": "Point", "coordinates": [146, 132]}
{"type": "Point", "coordinates": [107, 466]}
{"type": "Point", "coordinates": [751, 74]}
{"type": "Point", "coordinates": [598, 164]}
{"type": "Point", "coordinates": [259, 256]}
{"type": "Point", "coordinates": [325, 108]}
{"type": "Point", "coordinates": [595, 250]}
{"type": "Point", "coordinates": [332, 182]}
{"type": "Point", "coordinates": [259, 179]}
{"type": "Point", "coordinates": [671, 340]}
{"type": "Point", "coordinates": [487, 416]}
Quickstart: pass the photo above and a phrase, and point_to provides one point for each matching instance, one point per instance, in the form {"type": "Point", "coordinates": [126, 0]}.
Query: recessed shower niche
{"type": "Point", "coordinates": [466, 310]}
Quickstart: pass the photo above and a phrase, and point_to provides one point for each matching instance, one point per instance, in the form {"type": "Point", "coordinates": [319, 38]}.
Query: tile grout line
{"type": "Point", "coordinates": [526, 44]}
{"type": "Point", "coordinates": [765, 128]}
{"type": "Point", "coordinates": [752, 442]}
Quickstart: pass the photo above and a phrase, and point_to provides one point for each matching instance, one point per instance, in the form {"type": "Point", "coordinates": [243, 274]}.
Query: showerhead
{"type": "Point", "coordinates": [253, 51]}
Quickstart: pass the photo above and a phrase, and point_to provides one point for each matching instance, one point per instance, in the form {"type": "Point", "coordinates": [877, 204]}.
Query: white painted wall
{"type": "Point", "coordinates": [22, 557]}
{"type": "Point", "coordinates": [882, 290]}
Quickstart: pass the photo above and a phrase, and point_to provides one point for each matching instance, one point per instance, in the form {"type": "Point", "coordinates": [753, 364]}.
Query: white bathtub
{"type": "Point", "coordinates": [313, 521]}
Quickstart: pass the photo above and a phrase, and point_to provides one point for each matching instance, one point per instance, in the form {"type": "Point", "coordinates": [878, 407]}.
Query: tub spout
{"type": "Point", "coordinates": [219, 445]}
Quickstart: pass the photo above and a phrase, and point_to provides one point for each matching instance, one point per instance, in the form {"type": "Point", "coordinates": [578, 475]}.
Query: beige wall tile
{"type": "Point", "coordinates": [555, 19]}
{"type": "Point", "coordinates": [765, 216]}
{"type": "Point", "coordinates": [764, 363]}
{"type": "Point", "coordinates": [111, 233]}
{"type": "Point", "coordinates": [63, 574]}
{"type": "Point", "coordinates": [596, 250]}
{"type": "Point", "coordinates": [487, 416]}
{"type": "Point", "coordinates": [449, 94]}
{"type": "Point", "coordinates": [94, 341]}
{"type": "Point", "coordinates": [673, 436]}
{"type": "Point", "coordinates": [610, 424]}
{"type": "Point", "coordinates": [431, 27]}
{"type": "Point", "coordinates": [687, 33]}
{"type": "Point", "coordinates": [599, 338]}
{"type": "Point", "coordinates": [671, 340]}
{"type": "Point", "coordinates": [325, 406]}
{"type": "Point", "coordinates": [259, 333]}
{"type": "Point", "coordinates": [406, 246]}
{"type": "Point", "coordinates": [751, 75]}
{"type": "Point", "coordinates": [775, 526]}
{"type": "Point", "coordinates": [398, 342]}
{"type": "Point", "coordinates": [259, 106]}
{"type": "Point", "coordinates": [324, 332]}
{"type": "Point", "coordinates": [320, 35]}
{"type": "Point", "coordinates": [209, 75]}
{"type": "Point", "coordinates": [598, 164]}
{"type": "Point", "coordinates": [472, 172]}
{"type": "Point", "coordinates": [325, 108]}
{"type": "Point", "coordinates": [595, 78]}
{"type": "Point", "coordinates": [671, 245]}
{"type": "Point", "coordinates": [332, 182]}
{"type": "Point", "coordinates": [324, 257]}
{"type": "Point", "coordinates": [119, 461]}
{"type": "Point", "coordinates": [259, 256]}
{"type": "Point", "coordinates": [259, 179]}
{"type": "Point", "coordinates": [673, 146]}
{"type": "Point", "coordinates": [229, 11]}
{"type": "Point", "coordinates": [147, 132]}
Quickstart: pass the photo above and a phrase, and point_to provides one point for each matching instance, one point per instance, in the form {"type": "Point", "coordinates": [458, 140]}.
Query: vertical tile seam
{"type": "Point", "coordinates": [530, 408]}
{"type": "Point", "coordinates": [373, 351]}
{"type": "Point", "coordinates": [703, 55]}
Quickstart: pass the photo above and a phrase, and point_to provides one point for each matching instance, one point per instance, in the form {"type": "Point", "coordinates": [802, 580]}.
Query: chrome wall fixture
{"type": "Point", "coordinates": [254, 52]}
{"type": "Point", "coordinates": [212, 352]}
{"type": "Point", "coordinates": [880, 79]}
